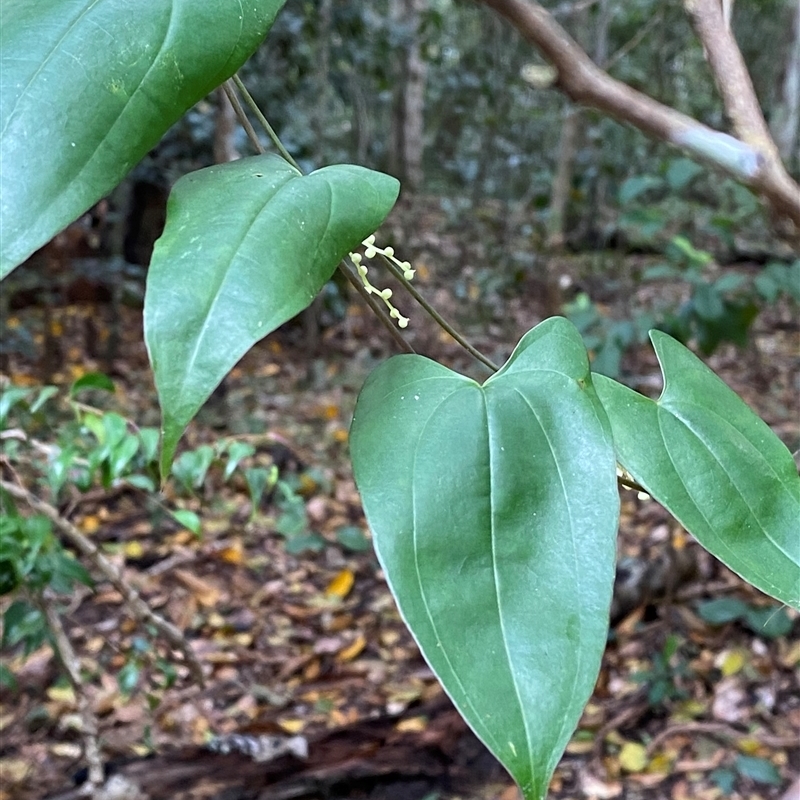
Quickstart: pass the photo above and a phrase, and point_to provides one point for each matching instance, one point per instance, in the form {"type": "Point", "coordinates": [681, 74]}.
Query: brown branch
{"type": "Point", "coordinates": [138, 607]}
{"type": "Point", "coordinates": [730, 74]}
{"type": "Point", "coordinates": [230, 92]}
{"type": "Point", "coordinates": [739, 96]}
{"type": "Point", "coordinates": [718, 730]}
{"type": "Point", "coordinates": [66, 654]}
{"type": "Point", "coordinates": [750, 162]}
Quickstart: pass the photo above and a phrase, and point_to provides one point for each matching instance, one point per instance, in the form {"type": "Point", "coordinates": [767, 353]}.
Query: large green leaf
{"type": "Point", "coordinates": [88, 87]}
{"type": "Point", "coordinates": [712, 463]}
{"type": "Point", "coordinates": [247, 245]}
{"type": "Point", "coordinates": [494, 510]}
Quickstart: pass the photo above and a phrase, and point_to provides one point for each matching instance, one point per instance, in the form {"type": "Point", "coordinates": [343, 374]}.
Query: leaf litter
{"type": "Point", "coordinates": [286, 608]}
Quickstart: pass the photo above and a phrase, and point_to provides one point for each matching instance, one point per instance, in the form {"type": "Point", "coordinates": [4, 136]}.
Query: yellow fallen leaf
{"type": "Point", "coordinates": [660, 764]}
{"type": "Point", "coordinates": [90, 524]}
{"type": "Point", "coordinates": [412, 725]}
{"type": "Point", "coordinates": [62, 694]}
{"type": "Point", "coordinates": [730, 662]}
{"type": "Point", "coordinates": [633, 757]}
{"type": "Point", "coordinates": [133, 549]}
{"type": "Point", "coordinates": [184, 536]}
{"type": "Point", "coordinates": [341, 585]}
{"type": "Point", "coordinates": [680, 539]}
{"type": "Point", "coordinates": [233, 553]}
{"type": "Point", "coordinates": [749, 746]}
{"type": "Point", "coordinates": [688, 710]}
{"type": "Point", "coordinates": [352, 650]}
{"type": "Point", "coordinates": [292, 725]}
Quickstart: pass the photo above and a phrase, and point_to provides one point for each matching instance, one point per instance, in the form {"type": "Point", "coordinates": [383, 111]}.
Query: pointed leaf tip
{"type": "Point", "coordinates": [247, 246]}
{"type": "Point", "coordinates": [89, 88]}
{"type": "Point", "coordinates": [494, 512]}
{"type": "Point", "coordinates": [702, 453]}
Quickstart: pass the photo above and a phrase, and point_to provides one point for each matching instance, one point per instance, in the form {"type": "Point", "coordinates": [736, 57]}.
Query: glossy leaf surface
{"type": "Point", "coordinates": [89, 87]}
{"type": "Point", "coordinates": [247, 245]}
{"type": "Point", "coordinates": [712, 463]}
{"type": "Point", "coordinates": [494, 510]}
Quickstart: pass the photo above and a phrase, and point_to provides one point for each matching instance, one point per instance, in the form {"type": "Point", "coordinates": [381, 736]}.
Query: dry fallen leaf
{"type": "Point", "coordinates": [13, 770]}
{"type": "Point", "coordinates": [341, 585]}
{"type": "Point", "coordinates": [352, 650]}
{"type": "Point", "coordinates": [633, 757]}
{"type": "Point", "coordinates": [205, 593]}
{"type": "Point", "coordinates": [292, 725]}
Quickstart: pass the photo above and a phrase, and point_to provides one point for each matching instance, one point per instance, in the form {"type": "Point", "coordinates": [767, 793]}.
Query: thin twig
{"type": "Point", "coordinates": [230, 92]}
{"type": "Point", "coordinates": [376, 308]}
{"type": "Point", "coordinates": [719, 730]}
{"type": "Point", "coordinates": [138, 607]}
{"type": "Point", "coordinates": [66, 654]}
{"type": "Point", "coordinates": [633, 42]}
{"type": "Point", "coordinates": [631, 484]}
{"type": "Point", "coordinates": [730, 74]}
{"type": "Point", "coordinates": [436, 316]}
{"type": "Point", "coordinates": [270, 131]}
{"type": "Point", "coordinates": [628, 715]}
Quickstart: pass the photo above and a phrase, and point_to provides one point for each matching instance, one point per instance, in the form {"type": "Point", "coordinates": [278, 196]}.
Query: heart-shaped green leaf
{"type": "Point", "coordinates": [88, 88]}
{"type": "Point", "coordinates": [712, 463]}
{"type": "Point", "coordinates": [247, 245]}
{"type": "Point", "coordinates": [494, 510]}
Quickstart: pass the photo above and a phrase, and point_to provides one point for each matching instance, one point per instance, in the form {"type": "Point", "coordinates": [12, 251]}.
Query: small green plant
{"type": "Point", "coordinates": [769, 622]}
{"type": "Point", "coordinates": [61, 444]}
{"type": "Point", "coordinates": [607, 339]}
{"type": "Point", "coordinates": [758, 770]}
{"type": "Point", "coordinates": [31, 556]}
{"type": "Point", "coordinates": [292, 522]}
{"type": "Point", "coordinates": [665, 677]}
{"type": "Point", "coordinates": [716, 311]}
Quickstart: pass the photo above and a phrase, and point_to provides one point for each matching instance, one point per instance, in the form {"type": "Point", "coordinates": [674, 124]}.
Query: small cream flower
{"type": "Point", "coordinates": [370, 251]}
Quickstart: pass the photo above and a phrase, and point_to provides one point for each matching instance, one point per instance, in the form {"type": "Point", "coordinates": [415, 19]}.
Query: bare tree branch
{"type": "Point", "coordinates": [730, 74]}
{"type": "Point", "coordinates": [735, 86]}
{"type": "Point", "coordinates": [753, 161]}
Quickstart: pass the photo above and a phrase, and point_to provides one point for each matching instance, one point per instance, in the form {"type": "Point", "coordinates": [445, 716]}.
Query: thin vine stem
{"type": "Point", "coordinates": [230, 93]}
{"type": "Point", "coordinates": [437, 317]}
{"type": "Point", "coordinates": [264, 122]}
{"type": "Point", "coordinates": [374, 306]}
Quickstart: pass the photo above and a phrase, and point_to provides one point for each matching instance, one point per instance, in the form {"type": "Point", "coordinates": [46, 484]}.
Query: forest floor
{"type": "Point", "coordinates": [293, 622]}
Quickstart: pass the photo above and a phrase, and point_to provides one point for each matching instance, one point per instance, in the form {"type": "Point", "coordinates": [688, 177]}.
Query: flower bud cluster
{"type": "Point", "coordinates": [370, 251]}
